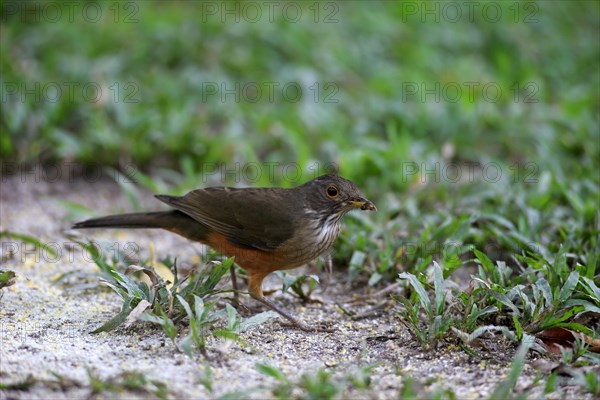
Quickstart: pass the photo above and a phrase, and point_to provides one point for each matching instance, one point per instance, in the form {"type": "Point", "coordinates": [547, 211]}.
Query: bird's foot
{"type": "Point", "coordinates": [293, 322]}
{"type": "Point", "coordinates": [242, 309]}
{"type": "Point", "coordinates": [319, 327]}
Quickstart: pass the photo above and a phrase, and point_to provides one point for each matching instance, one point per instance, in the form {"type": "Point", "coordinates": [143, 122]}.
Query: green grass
{"type": "Point", "coordinates": [191, 298]}
{"type": "Point", "coordinates": [507, 187]}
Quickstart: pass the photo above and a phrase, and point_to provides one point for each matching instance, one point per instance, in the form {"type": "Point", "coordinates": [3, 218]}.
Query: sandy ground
{"type": "Point", "coordinates": [45, 328]}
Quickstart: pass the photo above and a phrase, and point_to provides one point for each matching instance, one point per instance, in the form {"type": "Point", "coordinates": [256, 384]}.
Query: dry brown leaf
{"type": "Point", "coordinates": [554, 338]}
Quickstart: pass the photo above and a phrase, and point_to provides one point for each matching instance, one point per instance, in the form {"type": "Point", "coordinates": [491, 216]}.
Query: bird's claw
{"type": "Point", "coordinates": [320, 327]}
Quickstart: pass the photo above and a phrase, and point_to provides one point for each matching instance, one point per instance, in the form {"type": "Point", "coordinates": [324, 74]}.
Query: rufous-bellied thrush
{"type": "Point", "coordinates": [265, 229]}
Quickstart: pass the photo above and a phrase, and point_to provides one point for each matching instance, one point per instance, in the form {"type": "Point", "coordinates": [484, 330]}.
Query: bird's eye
{"type": "Point", "coordinates": [332, 191]}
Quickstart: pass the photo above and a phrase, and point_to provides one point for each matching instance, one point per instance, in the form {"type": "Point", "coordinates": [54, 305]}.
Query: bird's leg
{"type": "Point", "coordinates": [255, 290]}
{"type": "Point", "coordinates": [236, 297]}
{"type": "Point", "coordinates": [234, 285]}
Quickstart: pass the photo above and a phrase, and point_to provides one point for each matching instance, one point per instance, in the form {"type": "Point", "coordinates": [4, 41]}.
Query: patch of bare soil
{"type": "Point", "coordinates": [45, 328]}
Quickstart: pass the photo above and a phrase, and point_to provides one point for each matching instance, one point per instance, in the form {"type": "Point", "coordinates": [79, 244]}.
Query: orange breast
{"type": "Point", "coordinates": [252, 260]}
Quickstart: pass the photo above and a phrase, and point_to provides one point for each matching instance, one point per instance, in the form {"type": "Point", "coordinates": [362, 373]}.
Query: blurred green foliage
{"type": "Point", "coordinates": [156, 63]}
{"type": "Point", "coordinates": [471, 125]}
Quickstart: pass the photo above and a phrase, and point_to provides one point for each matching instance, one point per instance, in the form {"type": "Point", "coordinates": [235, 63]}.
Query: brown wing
{"type": "Point", "coordinates": [254, 218]}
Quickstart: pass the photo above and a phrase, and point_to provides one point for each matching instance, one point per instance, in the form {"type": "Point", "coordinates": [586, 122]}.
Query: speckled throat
{"type": "Point", "coordinates": [316, 235]}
